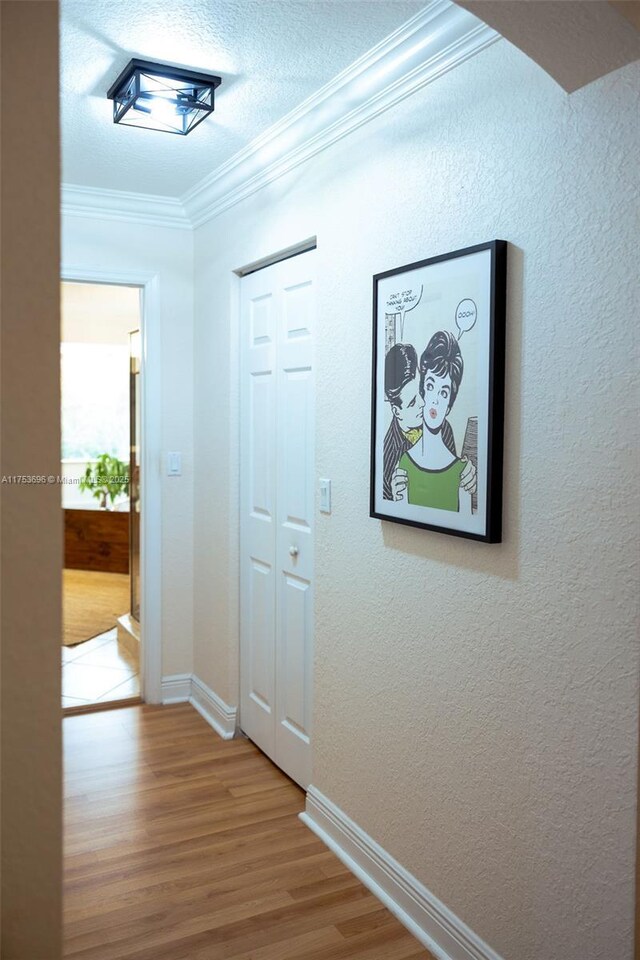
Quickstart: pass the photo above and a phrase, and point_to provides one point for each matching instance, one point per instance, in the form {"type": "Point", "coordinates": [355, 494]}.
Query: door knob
{"type": "Point", "coordinates": [293, 551]}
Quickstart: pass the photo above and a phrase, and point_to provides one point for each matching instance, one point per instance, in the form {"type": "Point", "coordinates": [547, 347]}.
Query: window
{"type": "Point", "coordinates": [95, 400]}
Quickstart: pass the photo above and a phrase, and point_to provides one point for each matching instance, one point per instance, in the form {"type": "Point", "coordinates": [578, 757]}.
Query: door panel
{"type": "Point", "coordinates": [261, 416]}
{"type": "Point", "coordinates": [262, 625]}
{"type": "Point", "coordinates": [277, 506]}
{"type": "Point", "coordinates": [295, 511]}
{"type": "Point", "coordinates": [295, 623]}
{"type": "Point", "coordinates": [257, 509]}
{"type": "Point", "coordinates": [296, 495]}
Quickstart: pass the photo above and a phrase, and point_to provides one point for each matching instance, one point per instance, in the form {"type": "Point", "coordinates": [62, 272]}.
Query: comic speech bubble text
{"type": "Point", "coordinates": [466, 316]}
{"type": "Point", "coordinates": [402, 302]}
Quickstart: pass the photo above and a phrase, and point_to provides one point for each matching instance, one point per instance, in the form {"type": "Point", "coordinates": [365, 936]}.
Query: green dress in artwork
{"type": "Point", "coordinates": [433, 488]}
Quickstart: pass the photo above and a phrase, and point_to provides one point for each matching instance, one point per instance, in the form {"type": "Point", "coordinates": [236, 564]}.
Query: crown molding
{"type": "Point", "coordinates": [99, 204]}
{"type": "Point", "coordinates": [436, 40]}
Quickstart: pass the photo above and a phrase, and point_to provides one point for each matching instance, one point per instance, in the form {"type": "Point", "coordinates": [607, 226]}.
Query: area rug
{"type": "Point", "coordinates": [92, 603]}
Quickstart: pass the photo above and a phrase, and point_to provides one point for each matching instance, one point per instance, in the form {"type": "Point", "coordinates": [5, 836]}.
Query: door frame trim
{"type": "Point", "coordinates": [151, 484]}
{"type": "Point", "coordinates": [286, 254]}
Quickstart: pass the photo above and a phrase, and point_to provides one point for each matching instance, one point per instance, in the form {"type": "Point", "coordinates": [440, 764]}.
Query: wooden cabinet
{"type": "Point", "coordinates": [96, 540]}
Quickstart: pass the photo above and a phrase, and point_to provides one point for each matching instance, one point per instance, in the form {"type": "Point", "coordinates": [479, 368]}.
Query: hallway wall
{"type": "Point", "coordinates": [108, 245]}
{"type": "Point", "coordinates": [31, 624]}
{"type": "Point", "coordinates": [475, 706]}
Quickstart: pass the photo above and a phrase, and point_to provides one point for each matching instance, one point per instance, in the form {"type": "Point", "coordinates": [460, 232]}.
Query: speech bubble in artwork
{"type": "Point", "coordinates": [466, 316]}
{"type": "Point", "coordinates": [401, 303]}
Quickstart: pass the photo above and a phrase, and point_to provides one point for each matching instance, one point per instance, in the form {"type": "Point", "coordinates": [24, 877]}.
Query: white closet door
{"type": "Point", "coordinates": [257, 439]}
{"type": "Point", "coordinates": [277, 503]}
{"type": "Point", "coordinates": [295, 507]}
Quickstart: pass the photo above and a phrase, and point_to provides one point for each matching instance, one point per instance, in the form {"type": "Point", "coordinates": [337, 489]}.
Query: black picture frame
{"type": "Point", "coordinates": [419, 464]}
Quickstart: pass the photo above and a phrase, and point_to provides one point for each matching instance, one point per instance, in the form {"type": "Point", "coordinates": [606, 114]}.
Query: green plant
{"type": "Point", "coordinates": [107, 478]}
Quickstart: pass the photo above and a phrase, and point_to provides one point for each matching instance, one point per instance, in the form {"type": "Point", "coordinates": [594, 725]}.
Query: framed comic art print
{"type": "Point", "coordinates": [438, 393]}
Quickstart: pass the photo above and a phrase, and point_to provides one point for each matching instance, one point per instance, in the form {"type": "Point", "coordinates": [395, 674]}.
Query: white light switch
{"type": "Point", "coordinates": [174, 464]}
{"type": "Point", "coordinates": [325, 496]}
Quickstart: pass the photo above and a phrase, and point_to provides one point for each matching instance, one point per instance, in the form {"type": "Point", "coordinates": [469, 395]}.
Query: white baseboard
{"type": "Point", "coordinates": [177, 688]}
{"type": "Point", "coordinates": [214, 710]}
{"type": "Point", "coordinates": [426, 917]}
{"type": "Point", "coordinates": [187, 688]}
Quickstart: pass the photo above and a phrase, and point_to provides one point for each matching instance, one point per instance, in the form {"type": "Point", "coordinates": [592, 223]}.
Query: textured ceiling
{"type": "Point", "coordinates": [271, 55]}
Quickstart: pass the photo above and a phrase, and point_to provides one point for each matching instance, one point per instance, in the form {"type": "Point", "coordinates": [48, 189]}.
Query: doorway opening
{"type": "Point", "coordinates": [100, 483]}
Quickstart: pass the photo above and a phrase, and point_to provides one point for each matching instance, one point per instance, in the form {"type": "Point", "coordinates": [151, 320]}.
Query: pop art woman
{"type": "Point", "coordinates": [430, 474]}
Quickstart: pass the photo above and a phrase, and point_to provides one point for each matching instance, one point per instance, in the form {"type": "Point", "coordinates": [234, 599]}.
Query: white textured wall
{"type": "Point", "coordinates": [475, 705]}
{"type": "Point", "coordinates": [127, 248]}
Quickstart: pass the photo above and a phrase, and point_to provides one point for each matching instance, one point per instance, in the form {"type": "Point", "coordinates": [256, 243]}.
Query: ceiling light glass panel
{"type": "Point", "coordinates": [163, 98]}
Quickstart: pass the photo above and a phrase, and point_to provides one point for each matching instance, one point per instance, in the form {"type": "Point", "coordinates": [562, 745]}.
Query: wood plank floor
{"type": "Point", "coordinates": [183, 846]}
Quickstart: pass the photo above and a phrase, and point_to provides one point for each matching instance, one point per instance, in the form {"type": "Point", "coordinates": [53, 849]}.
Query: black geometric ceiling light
{"type": "Point", "coordinates": [160, 97]}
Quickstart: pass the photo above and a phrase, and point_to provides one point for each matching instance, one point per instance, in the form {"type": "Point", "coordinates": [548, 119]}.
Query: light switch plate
{"type": "Point", "coordinates": [325, 496]}
{"type": "Point", "coordinates": [174, 464]}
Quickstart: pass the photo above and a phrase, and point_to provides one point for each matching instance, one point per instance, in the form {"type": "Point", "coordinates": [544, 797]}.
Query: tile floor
{"type": "Point", "coordinates": [98, 670]}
